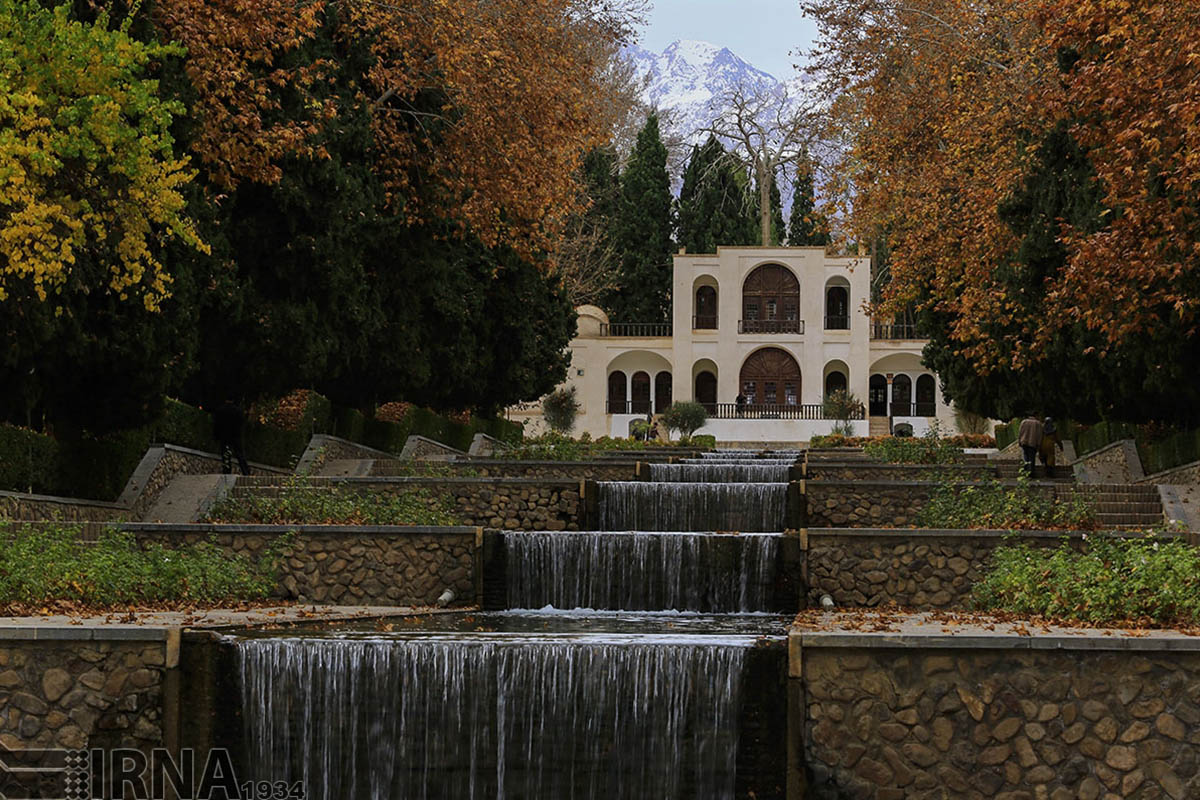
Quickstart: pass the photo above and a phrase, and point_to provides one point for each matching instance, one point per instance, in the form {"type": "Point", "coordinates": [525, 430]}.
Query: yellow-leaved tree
{"type": "Point", "coordinates": [87, 164]}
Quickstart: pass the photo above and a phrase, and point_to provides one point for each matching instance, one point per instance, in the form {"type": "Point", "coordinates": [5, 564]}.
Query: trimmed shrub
{"type": "Point", "coordinates": [685, 417]}
{"type": "Point", "coordinates": [28, 460]}
{"type": "Point", "coordinates": [560, 408]}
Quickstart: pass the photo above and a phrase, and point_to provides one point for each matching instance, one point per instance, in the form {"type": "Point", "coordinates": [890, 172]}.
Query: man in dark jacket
{"type": "Point", "coordinates": [229, 424]}
{"type": "Point", "coordinates": [1030, 439]}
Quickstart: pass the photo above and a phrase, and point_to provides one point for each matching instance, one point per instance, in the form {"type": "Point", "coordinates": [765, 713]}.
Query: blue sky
{"type": "Point", "coordinates": [762, 32]}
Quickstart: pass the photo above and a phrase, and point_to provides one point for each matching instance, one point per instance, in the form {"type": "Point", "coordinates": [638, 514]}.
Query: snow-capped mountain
{"type": "Point", "coordinates": [687, 76]}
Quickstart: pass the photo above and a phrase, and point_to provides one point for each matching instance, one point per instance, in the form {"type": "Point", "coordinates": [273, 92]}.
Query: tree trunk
{"type": "Point", "coordinates": [764, 201]}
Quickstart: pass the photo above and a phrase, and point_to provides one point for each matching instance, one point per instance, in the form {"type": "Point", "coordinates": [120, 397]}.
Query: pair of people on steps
{"type": "Point", "coordinates": [1038, 438]}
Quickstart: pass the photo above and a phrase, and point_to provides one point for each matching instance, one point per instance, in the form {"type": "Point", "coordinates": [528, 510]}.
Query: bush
{"type": "Point", "coordinates": [560, 408]}
{"type": "Point", "coordinates": [1136, 581]}
{"type": "Point", "coordinates": [301, 503]}
{"type": "Point", "coordinates": [557, 447]}
{"type": "Point", "coordinates": [685, 417]}
{"type": "Point", "coordinates": [843, 406]}
{"type": "Point", "coordinates": [993, 505]}
{"type": "Point", "coordinates": [969, 422]}
{"type": "Point", "coordinates": [927, 449]}
{"type": "Point", "coordinates": [49, 566]}
{"type": "Point", "coordinates": [639, 429]}
{"type": "Point", "coordinates": [28, 460]}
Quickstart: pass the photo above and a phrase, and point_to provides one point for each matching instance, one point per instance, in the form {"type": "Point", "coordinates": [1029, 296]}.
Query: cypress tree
{"type": "Point", "coordinates": [807, 228]}
{"type": "Point", "coordinates": [642, 233]}
{"type": "Point", "coordinates": [714, 206]}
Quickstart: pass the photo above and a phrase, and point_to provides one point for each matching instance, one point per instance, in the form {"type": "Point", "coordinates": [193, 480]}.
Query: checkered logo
{"type": "Point", "coordinates": [51, 773]}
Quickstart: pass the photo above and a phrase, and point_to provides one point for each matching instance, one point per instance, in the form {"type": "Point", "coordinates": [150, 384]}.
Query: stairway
{"type": "Point", "coordinates": [1122, 505]}
{"type": "Point", "coordinates": [878, 426]}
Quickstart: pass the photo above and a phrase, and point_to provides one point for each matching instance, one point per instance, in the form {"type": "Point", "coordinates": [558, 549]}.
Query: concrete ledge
{"type": "Point", "coordinates": [34, 629]}
{"type": "Point", "coordinates": [980, 632]}
{"type": "Point", "coordinates": [355, 530]}
{"type": "Point", "coordinates": [971, 533]}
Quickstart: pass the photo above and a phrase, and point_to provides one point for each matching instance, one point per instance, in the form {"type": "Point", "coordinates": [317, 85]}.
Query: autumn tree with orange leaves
{"type": "Point", "coordinates": [1029, 166]}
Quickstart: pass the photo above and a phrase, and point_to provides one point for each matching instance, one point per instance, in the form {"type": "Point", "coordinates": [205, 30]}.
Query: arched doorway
{"type": "Point", "coordinates": [926, 396]}
{"type": "Point", "coordinates": [706, 309]}
{"type": "Point", "coordinates": [877, 396]}
{"type": "Point", "coordinates": [706, 391]}
{"type": "Point", "coordinates": [640, 393]}
{"type": "Point", "coordinates": [662, 392]}
{"type": "Point", "coordinates": [616, 393]}
{"type": "Point", "coordinates": [902, 396]}
{"type": "Point", "coordinates": [770, 377]}
{"type": "Point", "coordinates": [834, 382]}
{"type": "Point", "coordinates": [837, 306]}
{"type": "Point", "coordinates": [771, 301]}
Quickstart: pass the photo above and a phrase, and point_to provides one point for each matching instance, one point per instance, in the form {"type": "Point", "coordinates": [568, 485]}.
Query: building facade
{"type": "Point", "coordinates": [781, 327]}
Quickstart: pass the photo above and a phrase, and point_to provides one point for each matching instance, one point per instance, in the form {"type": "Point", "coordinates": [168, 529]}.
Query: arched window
{"type": "Point", "coordinates": [926, 396]}
{"type": "Point", "coordinates": [616, 393]}
{"type": "Point", "coordinates": [877, 396]}
{"type": "Point", "coordinates": [771, 301]}
{"type": "Point", "coordinates": [640, 391]}
{"type": "Point", "coordinates": [770, 377]}
{"type": "Point", "coordinates": [706, 391]}
{"type": "Point", "coordinates": [834, 382]}
{"type": "Point", "coordinates": [837, 309]}
{"type": "Point", "coordinates": [902, 396]}
{"type": "Point", "coordinates": [706, 309]}
{"type": "Point", "coordinates": [662, 391]}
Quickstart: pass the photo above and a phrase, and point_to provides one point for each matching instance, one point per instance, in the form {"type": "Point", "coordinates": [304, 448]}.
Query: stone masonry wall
{"type": "Point", "coordinates": [899, 472]}
{"type": "Point", "coordinates": [913, 569]}
{"type": "Point", "coordinates": [1186, 475]}
{"type": "Point", "coordinates": [870, 504]}
{"type": "Point", "coordinates": [29, 507]}
{"type": "Point", "coordinates": [552, 470]}
{"type": "Point", "coordinates": [160, 466]}
{"type": "Point", "coordinates": [513, 504]}
{"type": "Point", "coordinates": [885, 724]}
{"type": "Point", "coordinates": [1115, 463]}
{"type": "Point", "coordinates": [363, 565]}
{"type": "Point", "coordinates": [81, 694]}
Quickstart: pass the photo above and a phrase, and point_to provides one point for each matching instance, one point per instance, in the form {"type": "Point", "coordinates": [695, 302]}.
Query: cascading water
{"type": "Point", "coordinates": [721, 472]}
{"type": "Point", "coordinates": [642, 571]}
{"type": "Point", "coordinates": [597, 716]}
{"type": "Point", "coordinates": [645, 506]}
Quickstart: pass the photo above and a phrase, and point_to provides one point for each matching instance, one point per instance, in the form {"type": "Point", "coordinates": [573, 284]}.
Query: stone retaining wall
{"type": "Point", "coordinates": [31, 507]}
{"type": "Point", "coordinates": [1185, 475]}
{"type": "Point", "coordinates": [418, 447]}
{"type": "Point", "coordinates": [513, 503]}
{"type": "Point", "coordinates": [1010, 724]}
{"type": "Point", "coordinates": [159, 467]}
{"type": "Point", "coordinates": [323, 448]}
{"type": "Point", "coordinates": [1114, 463]}
{"type": "Point", "coordinates": [872, 504]}
{"type": "Point", "coordinates": [359, 565]}
{"type": "Point", "coordinates": [552, 470]}
{"type": "Point", "coordinates": [81, 693]}
{"type": "Point", "coordinates": [917, 569]}
{"type": "Point", "coordinates": [817, 470]}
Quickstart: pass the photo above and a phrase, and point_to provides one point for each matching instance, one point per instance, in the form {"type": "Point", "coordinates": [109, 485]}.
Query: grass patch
{"type": "Point", "coordinates": [44, 567]}
{"type": "Point", "coordinates": [991, 504]}
{"type": "Point", "coordinates": [301, 503]}
{"type": "Point", "coordinates": [1119, 581]}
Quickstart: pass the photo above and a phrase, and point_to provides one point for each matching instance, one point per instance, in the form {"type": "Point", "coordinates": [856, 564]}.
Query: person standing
{"type": "Point", "coordinates": [229, 424]}
{"type": "Point", "coordinates": [1030, 439]}
{"type": "Point", "coordinates": [1050, 441]}
{"type": "Point", "coordinates": [740, 402]}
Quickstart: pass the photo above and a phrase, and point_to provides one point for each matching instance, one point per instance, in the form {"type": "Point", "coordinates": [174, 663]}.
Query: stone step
{"type": "Point", "coordinates": [1128, 508]}
{"type": "Point", "coordinates": [1123, 520]}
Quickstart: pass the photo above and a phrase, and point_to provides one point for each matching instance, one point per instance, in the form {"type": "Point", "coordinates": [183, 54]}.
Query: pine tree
{"type": "Point", "coordinates": [642, 233]}
{"type": "Point", "coordinates": [808, 228]}
{"type": "Point", "coordinates": [714, 205]}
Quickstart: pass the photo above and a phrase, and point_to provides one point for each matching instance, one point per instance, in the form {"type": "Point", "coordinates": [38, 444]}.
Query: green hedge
{"type": "Point", "coordinates": [1173, 451]}
{"type": "Point", "coordinates": [1006, 433]}
{"type": "Point", "coordinates": [28, 460]}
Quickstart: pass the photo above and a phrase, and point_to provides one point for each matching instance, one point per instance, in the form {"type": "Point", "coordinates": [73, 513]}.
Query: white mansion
{"type": "Point", "coordinates": [780, 326]}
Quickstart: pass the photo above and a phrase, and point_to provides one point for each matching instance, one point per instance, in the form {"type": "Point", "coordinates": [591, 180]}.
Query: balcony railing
{"type": "Point", "coordinates": [914, 409]}
{"type": "Point", "coordinates": [771, 326]}
{"type": "Point", "coordinates": [887, 330]}
{"type": "Point", "coordinates": [809, 411]}
{"type": "Point", "coordinates": [837, 322]}
{"type": "Point", "coordinates": [635, 330]}
{"type": "Point", "coordinates": [628, 406]}
{"type": "Point", "coordinates": [704, 322]}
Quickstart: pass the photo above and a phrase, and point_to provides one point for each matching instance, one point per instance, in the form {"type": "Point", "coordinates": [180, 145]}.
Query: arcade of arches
{"type": "Point", "coordinates": [902, 403]}
{"type": "Point", "coordinates": [631, 394]}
